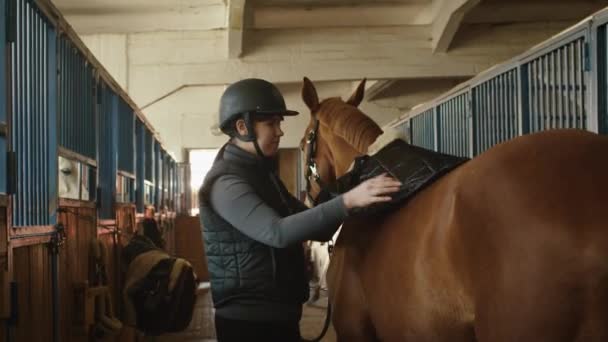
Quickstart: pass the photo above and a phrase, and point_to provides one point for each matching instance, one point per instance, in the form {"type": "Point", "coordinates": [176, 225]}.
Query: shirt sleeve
{"type": "Point", "coordinates": [237, 202]}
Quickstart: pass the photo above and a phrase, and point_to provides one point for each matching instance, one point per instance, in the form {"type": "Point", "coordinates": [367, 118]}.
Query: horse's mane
{"type": "Point", "coordinates": [348, 122]}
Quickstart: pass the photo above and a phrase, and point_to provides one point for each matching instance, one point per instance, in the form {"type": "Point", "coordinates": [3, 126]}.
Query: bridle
{"type": "Point", "coordinates": [312, 172]}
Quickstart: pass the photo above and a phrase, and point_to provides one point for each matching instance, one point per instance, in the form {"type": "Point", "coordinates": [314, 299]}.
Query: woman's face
{"type": "Point", "coordinates": [269, 133]}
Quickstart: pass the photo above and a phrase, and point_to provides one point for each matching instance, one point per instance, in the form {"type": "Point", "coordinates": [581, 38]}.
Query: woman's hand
{"type": "Point", "coordinates": [373, 190]}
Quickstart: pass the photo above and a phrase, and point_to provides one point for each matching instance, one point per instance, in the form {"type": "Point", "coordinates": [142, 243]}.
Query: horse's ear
{"type": "Point", "coordinates": [309, 95]}
{"type": "Point", "coordinates": [357, 96]}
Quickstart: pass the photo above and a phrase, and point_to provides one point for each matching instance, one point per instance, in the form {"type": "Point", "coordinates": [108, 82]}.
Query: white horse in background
{"type": "Point", "coordinates": [319, 257]}
{"type": "Point", "coordinates": [71, 184]}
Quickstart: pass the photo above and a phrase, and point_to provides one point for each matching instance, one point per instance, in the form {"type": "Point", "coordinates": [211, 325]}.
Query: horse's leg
{"type": "Point", "coordinates": [350, 316]}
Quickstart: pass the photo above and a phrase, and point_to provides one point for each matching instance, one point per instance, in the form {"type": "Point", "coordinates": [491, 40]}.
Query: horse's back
{"type": "Point", "coordinates": [548, 179]}
{"type": "Point", "coordinates": [513, 244]}
{"type": "Point", "coordinates": [535, 237]}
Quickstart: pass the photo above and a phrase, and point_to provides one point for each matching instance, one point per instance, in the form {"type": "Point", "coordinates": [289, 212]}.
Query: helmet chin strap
{"type": "Point", "coordinates": [250, 137]}
{"type": "Point", "coordinates": [266, 162]}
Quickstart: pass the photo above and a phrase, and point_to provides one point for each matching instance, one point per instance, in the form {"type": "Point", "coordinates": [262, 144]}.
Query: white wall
{"type": "Point", "coordinates": [112, 51]}
{"type": "Point", "coordinates": [185, 119]}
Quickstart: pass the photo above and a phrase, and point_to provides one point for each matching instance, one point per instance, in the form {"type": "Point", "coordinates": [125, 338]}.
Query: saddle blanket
{"type": "Point", "coordinates": [415, 167]}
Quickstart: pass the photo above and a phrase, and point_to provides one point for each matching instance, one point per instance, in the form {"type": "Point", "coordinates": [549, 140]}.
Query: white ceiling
{"type": "Point", "coordinates": [71, 6]}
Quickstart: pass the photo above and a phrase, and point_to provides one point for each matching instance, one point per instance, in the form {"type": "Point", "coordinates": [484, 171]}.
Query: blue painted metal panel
{"type": "Point", "coordinates": [126, 138]}
{"type": "Point", "coordinates": [3, 93]}
{"type": "Point", "coordinates": [162, 185]}
{"type": "Point", "coordinates": [149, 155]}
{"type": "Point", "coordinates": [157, 176]}
{"type": "Point", "coordinates": [453, 126]}
{"type": "Point", "coordinates": [139, 164]}
{"type": "Point", "coordinates": [51, 178]}
{"type": "Point", "coordinates": [557, 89]}
{"type": "Point", "coordinates": [423, 129]}
{"type": "Point", "coordinates": [602, 78]}
{"type": "Point", "coordinates": [76, 107]}
{"type": "Point", "coordinates": [108, 141]}
{"type": "Point", "coordinates": [170, 183]}
{"type": "Point", "coordinates": [496, 110]}
{"type": "Point", "coordinates": [33, 95]}
{"type": "Point", "coordinates": [150, 192]}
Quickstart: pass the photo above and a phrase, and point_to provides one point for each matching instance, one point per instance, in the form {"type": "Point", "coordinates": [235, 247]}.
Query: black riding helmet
{"type": "Point", "coordinates": [250, 99]}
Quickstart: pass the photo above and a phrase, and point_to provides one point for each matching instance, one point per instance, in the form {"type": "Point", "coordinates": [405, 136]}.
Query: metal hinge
{"type": "Point", "coordinates": [58, 238]}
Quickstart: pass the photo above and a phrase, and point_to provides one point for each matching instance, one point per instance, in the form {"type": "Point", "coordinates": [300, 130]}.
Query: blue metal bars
{"type": "Point", "coordinates": [557, 88]}
{"type": "Point", "coordinates": [126, 141]}
{"type": "Point", "coordinates": [140, 161]}
{"type": "Point", "coordinates": [545, 88]}
{"type": "Point", "coordinates": [34, 94]}
{"type": "Point", "coordinates": [149, 155]}
{"type": "Point", "coordinates": [495, 110]}
{"type": "Point", "coordinates": [423, 130]}
{"type": "Point", "coordinates": [453, 126]}
{"type": "Point", "coordinates": [3, 92]}
{"type": "Point", "coordinates": [108, 139]}
{"type": "Point", "coordinates": [601, 64]}
{"type": "Point", "coordinates": [157, 175]}
{"type": "Point", "coordinates": [77, 125]}
{"type": "Point", "coordinates": [125, 191]}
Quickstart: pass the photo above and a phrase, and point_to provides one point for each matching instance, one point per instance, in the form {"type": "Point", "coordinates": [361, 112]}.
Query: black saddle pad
{"type": "Point", "coordinates": [414, 166]}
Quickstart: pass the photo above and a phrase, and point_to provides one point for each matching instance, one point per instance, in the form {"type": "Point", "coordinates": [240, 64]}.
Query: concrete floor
{"type": "Point", "coordinates": [201, 328]}
{"type": "Point", "coordinates": [313, 318]}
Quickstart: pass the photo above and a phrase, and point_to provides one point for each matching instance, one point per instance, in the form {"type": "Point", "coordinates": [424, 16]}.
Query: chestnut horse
{"type": "Point", "coordinates": [511, 246]}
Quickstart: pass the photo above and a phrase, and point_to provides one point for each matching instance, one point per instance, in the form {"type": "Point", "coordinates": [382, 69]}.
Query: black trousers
{"type": "Point", "coordinates": [229, 330]}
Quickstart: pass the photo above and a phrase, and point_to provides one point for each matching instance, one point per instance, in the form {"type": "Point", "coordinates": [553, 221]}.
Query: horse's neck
{"type": "Point", "coordinates": [344, 162]}
{"type": "Point", "coordinates": [344, 155]}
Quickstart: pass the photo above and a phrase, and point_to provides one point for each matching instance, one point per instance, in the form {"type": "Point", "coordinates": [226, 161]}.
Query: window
{"type": "Point", "coordinates": [200, 163]}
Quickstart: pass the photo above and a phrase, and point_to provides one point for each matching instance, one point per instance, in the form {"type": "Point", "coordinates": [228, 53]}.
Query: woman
{"type": "Point", "coordinates": [254, 229]}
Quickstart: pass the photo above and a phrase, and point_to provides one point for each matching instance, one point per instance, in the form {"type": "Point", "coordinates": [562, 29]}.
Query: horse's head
{"type": "Point", "coordinates": [70, 183]}
{"type": "Point", "coordinates": [337, 133]}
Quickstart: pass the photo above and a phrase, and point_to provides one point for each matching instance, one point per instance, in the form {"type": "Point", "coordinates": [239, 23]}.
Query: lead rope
{"type": "Point", "coordinates": [330, 248]}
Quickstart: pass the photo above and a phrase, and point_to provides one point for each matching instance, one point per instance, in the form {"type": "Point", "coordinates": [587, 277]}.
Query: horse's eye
{"type": "Point", "coordinates": [66, 171]}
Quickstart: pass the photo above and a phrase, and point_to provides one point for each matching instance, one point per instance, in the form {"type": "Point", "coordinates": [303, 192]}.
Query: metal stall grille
{"type": "Point", "coordinates": [126, 153]}
{"type": "Point", "coordinates": [169, 185]}
{"type": "Point", "coordinates": [3, 102]}
{"type": "Point", "coordinates": [175, 186]}
{"type": "Point", "coordinates": [423, 129]}
{"type": "Point", "coordinates": [453, 126]}
{"type": "Point", "coordinates": [158, 177]}
{"type": "Point", "coordinates": [164, 163]}
{"type": "Point", "coordinates": [496, 110]}
{"type": "Point", "coordinates": [140, 161]}
{"type": "Point", "coordinates": [126, 141]}
{"type": "Point", "coordinates": [602, 76]}
{"type": "Point", "coordinates": [148, 167]}
{"type": "Point", "coordinates": [108, 138]}
{"type": "Point", "coordinates": [34, 135]}
{"type": "Point", "coordinates": [557, 87]}
{"type": "Point", "coordinates": [77, 125]}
